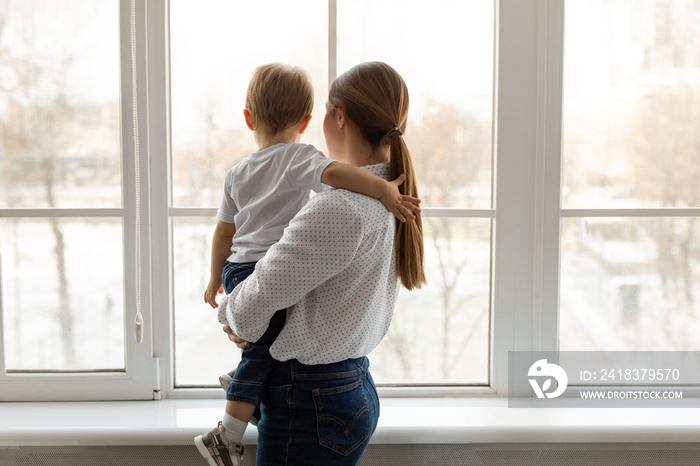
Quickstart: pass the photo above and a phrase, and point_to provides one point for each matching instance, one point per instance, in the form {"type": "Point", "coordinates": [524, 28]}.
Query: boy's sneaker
{"type": "Point", "coordinates": [225, 380]}
{"type": "Point", "coordinates": [218, 453]}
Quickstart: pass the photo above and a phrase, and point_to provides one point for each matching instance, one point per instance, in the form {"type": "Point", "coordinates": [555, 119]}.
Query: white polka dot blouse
{"type": "Point", "coordinates": [334, 270]}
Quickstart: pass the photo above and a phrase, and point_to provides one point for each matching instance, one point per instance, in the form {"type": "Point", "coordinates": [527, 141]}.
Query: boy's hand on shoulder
{"type": "Point", "coordinates": [400, 205]}
{"type": "Point", "coordinates": [214, 288]}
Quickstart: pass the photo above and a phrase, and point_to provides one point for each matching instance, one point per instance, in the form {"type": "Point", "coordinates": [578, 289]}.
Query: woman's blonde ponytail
{"type": "Point", "coordinates": [376, 100]}
{"type": "Point", "coordinates": [409, 235]}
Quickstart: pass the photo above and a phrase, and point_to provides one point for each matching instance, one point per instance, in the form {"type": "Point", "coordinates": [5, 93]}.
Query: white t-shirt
{"type": "Point", "coordinates": [335, 272]}
{"type": "Point", "coordinates": [264, 191]}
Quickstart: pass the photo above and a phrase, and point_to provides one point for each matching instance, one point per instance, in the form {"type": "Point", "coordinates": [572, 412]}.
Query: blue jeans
{"type": "Point", "coordinates": [252, 372]}
{"type": "Point", "coordinates": [317, 415]}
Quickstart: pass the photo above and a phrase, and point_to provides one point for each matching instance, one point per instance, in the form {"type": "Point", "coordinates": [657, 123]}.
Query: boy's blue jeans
{"type": "Point", "coordinates": [256, 363]}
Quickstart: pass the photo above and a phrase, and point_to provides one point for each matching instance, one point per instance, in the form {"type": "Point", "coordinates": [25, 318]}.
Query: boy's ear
{"type": "Point", "coordinates": [248, 119]}
{"type": "Point", "coordinates": [304, 124]}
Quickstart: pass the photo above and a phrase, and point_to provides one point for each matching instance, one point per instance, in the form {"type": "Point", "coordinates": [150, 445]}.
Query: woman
{"type": "Point", "coordinates": [336, 269]}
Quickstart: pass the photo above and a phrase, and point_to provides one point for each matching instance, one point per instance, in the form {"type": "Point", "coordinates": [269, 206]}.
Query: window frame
{"type": "Point", "coordinates": [528, 141]}
{"type": "Point", "coordinates": [140, 378]}
{"type": "Point", "coordinates": [525, 213]}
{"type": "Point", "coordinates": [520, 146]}
{"type": "Point", "coordinates": [527, 121]}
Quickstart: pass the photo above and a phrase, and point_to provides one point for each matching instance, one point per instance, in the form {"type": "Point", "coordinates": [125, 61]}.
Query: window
{"type": "Point", "coordinates": [629, 237]}
{"type": "Point", "coordinates": [559, 210]}
{"type": "Point", "coordinates": [210, 70]}
{"type": "Point", "coordinates": [66, 225]}
{"type": "Point", "coordinates": [449, 133]}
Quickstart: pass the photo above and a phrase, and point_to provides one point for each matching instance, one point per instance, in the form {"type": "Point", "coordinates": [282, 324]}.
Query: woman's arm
{"type": "Point", "coordinates": [319, 243]}
{"type": "Point", "coordinates": [346, 176]}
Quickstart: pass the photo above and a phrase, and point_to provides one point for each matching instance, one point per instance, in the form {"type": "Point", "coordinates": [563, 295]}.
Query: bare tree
{"type": "Point", "coordinates": [36, 132]}
{"type": "Point", "coordinates": [33, 135]}
{"type": "Point", "coordinates": [665, 163]}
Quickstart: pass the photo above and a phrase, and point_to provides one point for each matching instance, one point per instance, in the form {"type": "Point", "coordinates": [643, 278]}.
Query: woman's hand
{"type": "Point", "coordinates": [401, 206]}
{"type": "Point", "coordinates": [240, 342]}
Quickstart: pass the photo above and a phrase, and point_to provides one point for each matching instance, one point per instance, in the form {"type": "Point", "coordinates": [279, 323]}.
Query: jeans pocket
{"type": "Point", "coordinates": [342, 417]}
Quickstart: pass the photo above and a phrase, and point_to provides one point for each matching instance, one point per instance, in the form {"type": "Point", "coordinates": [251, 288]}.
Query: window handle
{"type": "Point", "coordinates": [138, 324]}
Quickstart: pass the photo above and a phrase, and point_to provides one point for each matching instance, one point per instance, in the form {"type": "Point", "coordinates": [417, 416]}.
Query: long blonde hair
{"type": "Point", "coordinates": [375, 98]}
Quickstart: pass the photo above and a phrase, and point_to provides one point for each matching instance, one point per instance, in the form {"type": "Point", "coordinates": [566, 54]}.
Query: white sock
{"type": "Point", "coordinates": [233, 429]}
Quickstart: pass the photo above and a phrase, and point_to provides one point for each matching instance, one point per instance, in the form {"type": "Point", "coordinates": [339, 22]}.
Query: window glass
{"type": "Point", "coordinates": [197, 331]}
{"type": "Point", "coordinates": [215, 45]}
{"type": "Point", "coordinates": [59, 104]}
{"type": "Point", "coordinates": [449, 135]}
{"type": "Point", "coordinates": [62, 294]}
{"type": "Point", "coordinates": [444, 51]}
{"type": "Point", "coordinates": [629, 284]}
{"type": "Point", "coordinates": [440, 333]}
{"type": "Point", "coordinates": [631, 100]}
{"type": "Point", "coordinates": [62, 278]}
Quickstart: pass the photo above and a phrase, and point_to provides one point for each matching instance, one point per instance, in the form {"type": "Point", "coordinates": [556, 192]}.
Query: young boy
{"type": "Point", "coordinates": [262, 194]}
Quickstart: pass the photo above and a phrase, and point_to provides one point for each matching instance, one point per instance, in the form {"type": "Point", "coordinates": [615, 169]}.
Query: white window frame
{"type": "Point", "coordinates": [140, 379]}
{"type": "Point", "coordinates": [527, 140]}
{"type": "Point", "coordinates": [526, 211]}
{"type": "Point", "coordinates": [527, 180]}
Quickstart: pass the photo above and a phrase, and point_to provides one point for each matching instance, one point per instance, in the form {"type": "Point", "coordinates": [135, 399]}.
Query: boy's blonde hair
{"type": "Point", "coordinates": [279, 96]}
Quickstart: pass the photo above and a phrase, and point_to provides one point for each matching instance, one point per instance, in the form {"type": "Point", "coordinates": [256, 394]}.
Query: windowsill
{"type": "Point", "coordinates": [402, 421]}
